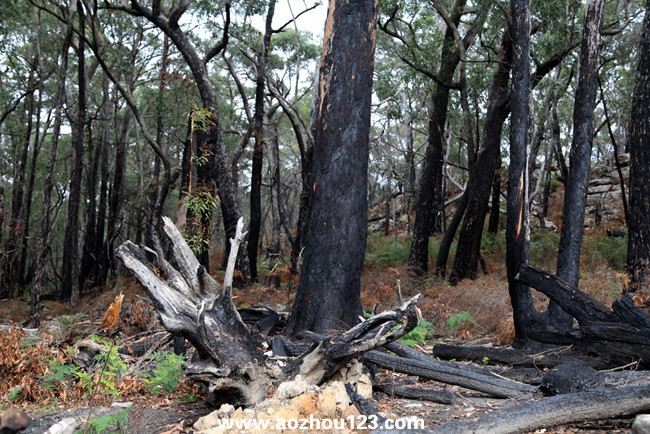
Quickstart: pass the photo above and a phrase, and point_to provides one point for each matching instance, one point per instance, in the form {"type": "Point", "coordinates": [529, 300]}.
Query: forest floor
{"type": "Point", "coordinates": [476, 311]}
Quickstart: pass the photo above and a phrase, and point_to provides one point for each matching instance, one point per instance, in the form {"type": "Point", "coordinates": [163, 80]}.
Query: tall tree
{"type": "Point", "coordinates": [575, 194]}
{"type": "Point", "coordinates": [43, 249]}
{"type": "Point", "coordinates": [329, 293]}
{"type": "Point", "coordinates": [258, 150]}
{"type": "Point", "coordinates": [638, 249]}
{"type": "Point", "coordinates": [480, 180]}
{"type": "Point", "coordinates": [517, 230]}
{"type": "Point", "coordinates": [69, 290]}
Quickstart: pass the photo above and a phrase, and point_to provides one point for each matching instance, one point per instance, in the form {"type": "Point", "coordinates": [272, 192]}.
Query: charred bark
{"type": "Point", "coordinates": [328, 297]}
{"type": "Point", "coordinates": [258, 150]}
{"type": "Point", "coordinates": [430, 196]}
{"type": "Point", "coordinates": [518, 230]}
{"type": "Point", "coordinates": [638, 250]}
{"type": "Point", "coordinates": [478, 190]}
{"type": "Point", "coordinates": [575, 195]}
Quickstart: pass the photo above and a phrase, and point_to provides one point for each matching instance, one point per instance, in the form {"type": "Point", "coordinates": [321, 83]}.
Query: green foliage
{"type": "Point", "coordinates": [190, 398]}
{"type": "Point", "coordinates": [107, 424]}
{"type": "Point", "coordinates": [459, 319]}
{"type": "Point", "coordinates": [386, 251]}
{"type": "Point", "coordinates": [58, 374]}
{"type": "Point", "coordinates": [167, 373]}
{"type": "Point", "coordinates": [419, 335]}
{"type": "Point", "coordinates": [202, 119]}
{"type": "Point", "coordinates": [108, 369]}
{"type": "Point", "coordinates": [14, 393]}
{"type": "Point", "coordinates": [494, 243]}
{"type": "Point", "coordinates": [605, 249]}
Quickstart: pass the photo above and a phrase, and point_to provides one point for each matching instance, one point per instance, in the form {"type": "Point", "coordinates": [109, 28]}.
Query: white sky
{"type": "Point", "coordinates": [312, 21]}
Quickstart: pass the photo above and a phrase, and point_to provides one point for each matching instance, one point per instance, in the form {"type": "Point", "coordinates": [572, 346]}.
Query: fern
{"type": "Point", "coordinates": [459, 319]}
{"type": "Point", "coordinates": [167, 373]}
{"type": "Point", "coordinates": [419, 335]}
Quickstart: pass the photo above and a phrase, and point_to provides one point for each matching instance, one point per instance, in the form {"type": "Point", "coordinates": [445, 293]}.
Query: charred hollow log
{"type": "Point", "coordinates": [621, 333]}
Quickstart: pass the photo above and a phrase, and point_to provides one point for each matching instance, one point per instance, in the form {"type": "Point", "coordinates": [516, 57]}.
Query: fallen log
{"type": "Point", "coordinates": [419, 393]}
{"type": "Point", "coordinates": [450, 374]}
{"type": "Point", "coordinates": [546, 358]}
{"type": "Point", "coordinates": [621, 333]}
{"type": "Point", "coordinates": [229, 359]}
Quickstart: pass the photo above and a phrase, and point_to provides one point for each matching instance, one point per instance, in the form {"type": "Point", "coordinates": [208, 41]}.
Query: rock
{"type": "Point", "coordinates": [327, 401]}
{"type": "Point", "coordinates": [64, 426]}
{"type": "Point", "coordinates": [86, 351]}
{"type": "Point", "coordinates": [641, 424]}
{"type": "Point", "coordinates": [307, 403]}
{"type": "Point", "coordinates": [290, 389]}
{"type": "Point", "coordinates": [13, 420]}
{"type": "Point", "coordinates": [127, 404]}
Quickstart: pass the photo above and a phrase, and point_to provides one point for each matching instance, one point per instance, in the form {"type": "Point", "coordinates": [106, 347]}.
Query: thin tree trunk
{"type": "Point", "coordinates": [430, 198]}
{"type": "Point", "coordinates": [16, 224]}
{"type": "Point", "coordinates": [478, 186]}
{"type": "Point", "coordinates": [638, 248]}
{"type": "Point", "coordinates": [495, 208]}
{"type": "Point", "coordinates": [69, 291]}
{"type": "Point", "coordinates": [575, 195]}
{"type": "Point", "coordinates": [100, 227]}
{"type": "Point", "coordinates": [258, 150]}
{"type": "Point", "coordinates": [328, 297]}
{"type": "Point", "coordinates": [43, 249]}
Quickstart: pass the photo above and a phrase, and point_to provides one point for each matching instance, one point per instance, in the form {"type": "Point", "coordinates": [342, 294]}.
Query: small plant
{"type": "Point", "coordinates": [201, 119]}
{"type": "Point", "coordinates": [14, 394]}
{"type": "Point", "coordinates": [462, 318]}
{"type": "Point", "coordinates": [419, 335]}
{"type": "Point", "coordinates": [189, 398]}
{"type": "Point", "coordinates": [167, 373]}
{"type": "Point", "coordinates": [59, 374]}
{"type": "Point", "coordinates": [109, 423]}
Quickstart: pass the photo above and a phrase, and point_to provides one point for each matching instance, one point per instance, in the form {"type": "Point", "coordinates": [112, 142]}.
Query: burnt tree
{"type": "Point", "coordinates": [430, 196]}
{"type": "Point", "coordinates": [478, 190]}
{"type": "Point", "coordinates": [575, 195]}
{"type": "Point", "coordinates": [638, 249]}
{"type": "Point", "coordinates": [70, 246]}
{"type": "Point", "coordinates": [517, 229]}
{"type": "Point", "coordinates": [335, 240]}
{"type": "Point", "coordinates": [258, 150]}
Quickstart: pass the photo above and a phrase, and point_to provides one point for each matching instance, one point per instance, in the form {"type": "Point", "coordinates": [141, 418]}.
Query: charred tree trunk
{"type": "Point", "coordinates": [517, 230]}
{"type": "Point", "coordinates": [16, 224]}
{"type": "Point", "coordinates": [43, 246]}
{"type": "Point", "coordinates": [70, 243]}
{"type": "Point", "coordinates": [638, 249]}
{"type": "Point", "coordinates": [575, 195]}
{"type": "Point", "coordinates": [275, 192]}
{"type": "Point", "coordinates": [100, 228]}
{"type": "Point", "coordinates": [430, 198]}
{"type": "Point", "coordinates": [258, 150]}
{"type": "Point", "coordinates": [478, 186]}
{"type": "Point", "coordinates": [329, 294]}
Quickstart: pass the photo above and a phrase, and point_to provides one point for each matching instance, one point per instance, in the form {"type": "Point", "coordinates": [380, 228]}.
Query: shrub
{"type": "Point", "coordinates": [419, 335]}
{"type": "Point", "coordinates": [167, 374]}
